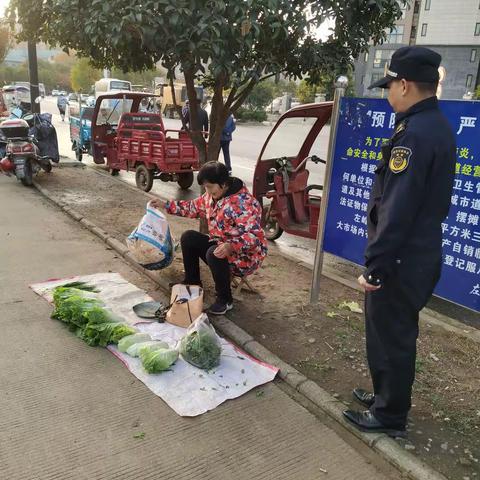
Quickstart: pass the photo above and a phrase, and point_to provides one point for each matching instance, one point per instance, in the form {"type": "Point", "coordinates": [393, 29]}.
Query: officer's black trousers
{"type": "Point", "coordinates": [391, 332]}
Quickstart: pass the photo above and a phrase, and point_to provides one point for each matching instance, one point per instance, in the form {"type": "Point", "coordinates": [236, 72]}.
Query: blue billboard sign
{"type": "Point", "coordinates": [363, 125]}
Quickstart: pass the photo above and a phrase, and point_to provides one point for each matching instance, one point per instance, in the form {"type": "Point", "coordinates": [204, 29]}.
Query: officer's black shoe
{"type": "Point", "coordinates": [365, 398]}
{"type": "Point", "coordinates": [366, 422]}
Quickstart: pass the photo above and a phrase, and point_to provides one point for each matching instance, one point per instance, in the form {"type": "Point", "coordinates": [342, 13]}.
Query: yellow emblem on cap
{"type": "Point", "coordinates": [399, 159]}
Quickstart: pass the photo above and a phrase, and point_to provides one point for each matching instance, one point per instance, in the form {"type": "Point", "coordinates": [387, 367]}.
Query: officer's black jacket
{"type": "Point", "coordinates": [406, 208]}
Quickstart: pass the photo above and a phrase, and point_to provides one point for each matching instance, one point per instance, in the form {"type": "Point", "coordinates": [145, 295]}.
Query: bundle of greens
{"type": "Point", "coordinates": [71, 305]}
{"type": "Point", "coordinates": [77, 305]}
{"type": "Point", "coordinates": [200, 346]}
{"type": "Point", "coordinates": [104, 333]}
{"type": "Point", "coordinates": [156, 361]}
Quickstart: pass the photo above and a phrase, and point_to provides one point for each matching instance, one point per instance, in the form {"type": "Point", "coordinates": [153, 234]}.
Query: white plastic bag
{"type": "Point", "coordinates": [201, 346]}
{"type": "Point", "coordinates": [151, 243]}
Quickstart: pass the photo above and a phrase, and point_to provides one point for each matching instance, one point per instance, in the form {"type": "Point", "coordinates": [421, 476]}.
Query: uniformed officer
{"type": "Point", "coordinates": [409, 200]}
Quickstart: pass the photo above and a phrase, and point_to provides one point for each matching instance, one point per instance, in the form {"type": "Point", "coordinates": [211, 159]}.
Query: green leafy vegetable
{"type": "Point", "coordinates": [126, 342]}
{"type": "Point", "coordinates": [134, 350]}
{"type": "Point", "coordinates": [201, 348]}
{"type": "Point", "coordinates": [84, 314]}
{"type": "Point", "coordinates": [157, 361]}
{"type": "Point", "coordinates": [81, 286]}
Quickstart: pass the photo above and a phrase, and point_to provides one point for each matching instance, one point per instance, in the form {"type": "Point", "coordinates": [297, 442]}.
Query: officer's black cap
{"type": "Point", "coordinates": [417, 64]}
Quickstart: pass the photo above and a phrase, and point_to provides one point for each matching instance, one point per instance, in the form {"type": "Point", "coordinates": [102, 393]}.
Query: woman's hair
{"type": "Point", "coordinates": [214, 172]}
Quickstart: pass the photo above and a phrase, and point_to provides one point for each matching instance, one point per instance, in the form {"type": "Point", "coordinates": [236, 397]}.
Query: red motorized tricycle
{"type": "Point", "coordinates": [281, 180]}
{"type": "Point", "coordinates": [130, 139]}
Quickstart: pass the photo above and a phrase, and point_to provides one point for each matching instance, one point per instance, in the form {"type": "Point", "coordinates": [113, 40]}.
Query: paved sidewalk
{"type": "Point", "coordinates": [70, 411]}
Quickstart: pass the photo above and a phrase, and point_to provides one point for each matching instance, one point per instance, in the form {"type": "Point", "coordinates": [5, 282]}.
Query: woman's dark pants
{"type": "Point", "coordinates": [196, 245]}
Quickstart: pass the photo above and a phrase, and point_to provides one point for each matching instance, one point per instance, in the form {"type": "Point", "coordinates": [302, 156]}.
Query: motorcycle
{"type": "Point", "coordinates": [29, 144]}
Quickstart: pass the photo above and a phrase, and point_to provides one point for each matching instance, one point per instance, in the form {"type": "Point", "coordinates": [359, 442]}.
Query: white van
{"type": "Point", "coordinates": [111, 85]}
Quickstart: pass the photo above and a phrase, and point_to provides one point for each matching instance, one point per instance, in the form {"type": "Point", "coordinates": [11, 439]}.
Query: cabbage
{"type": "Point", "coordinates": [158, 360]}
{"type": "Point", "coordinates": [134, 350]}
{"type": "Point", "coordinates": [126, 342]}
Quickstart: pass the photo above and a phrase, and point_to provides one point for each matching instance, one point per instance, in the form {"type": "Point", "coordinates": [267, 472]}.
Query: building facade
{"type": "Point", "coordinates": [450, 28]}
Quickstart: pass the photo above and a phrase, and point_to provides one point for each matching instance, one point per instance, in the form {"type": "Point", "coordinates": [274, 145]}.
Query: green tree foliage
{"type": "Point", "coordinates": [260, 96]}
{"type": "Point", "coordinates": [52, 75]}
{"type": "Point", "coordinates": [5, 39]}
{"type": "Point", "coordinates": [306, 92]}
{"type": "Point", "coordinates": [83, 76]}
{"type": "Point", "coordinates": [228, 45]}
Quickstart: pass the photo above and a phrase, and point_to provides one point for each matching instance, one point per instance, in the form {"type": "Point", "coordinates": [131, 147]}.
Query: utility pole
{"type": "Point", "coordinates": [33, 76]}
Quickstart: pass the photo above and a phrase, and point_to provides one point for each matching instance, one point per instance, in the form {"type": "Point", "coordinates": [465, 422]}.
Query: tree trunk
{"type": "Point", "coordinates": [195, 128]}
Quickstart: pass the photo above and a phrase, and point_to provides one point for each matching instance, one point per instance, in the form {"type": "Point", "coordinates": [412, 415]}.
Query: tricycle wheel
{"type": "Point", "coordinates": [78, 154]}
{"type": "Point", "coordinates": [27, 179]}
{"type": "Point", "coordinates": [271, 227]}
{"type": "Point", "coordinates": [47, 167]}
{"type": "Point", "coordinates": [185, 180]}
{"type": "Point", "coordinates": [144, 178]}
{"type": "Point", "coordinates": [114, 172]}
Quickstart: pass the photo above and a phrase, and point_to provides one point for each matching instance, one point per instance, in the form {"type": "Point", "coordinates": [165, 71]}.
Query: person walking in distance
{"type": "Point", "coordinates": [62, 103]}
{"type": "Point", "coordinates": [225, 140]}
{"type": "Point", "coordinates": [410, 199]}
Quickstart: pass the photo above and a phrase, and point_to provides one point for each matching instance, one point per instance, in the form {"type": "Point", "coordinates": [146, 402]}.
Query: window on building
{"type": "Point", "coordinates": [424, 29]}
{"type": "Point", "coordinates": [416, 7]}
{"type": "Point", "coordinates": [382, 57]}
{"type": "Point", "coordinates": [413, 32]}
{"type": "Point", "coordinates": [473, 55]}
{"type": "Point", "coordinates": [427, 4]}
{"type": "Point", "coordinates": [366, 57]}
{"type": "Point", "coordinates": [395, 34]}
{"type": "Point", "coordinates": [477, 29]}
{"type": "Point", "coordinates": [469, 81]}
{"type": "Point", "coordinates": [363, 80]}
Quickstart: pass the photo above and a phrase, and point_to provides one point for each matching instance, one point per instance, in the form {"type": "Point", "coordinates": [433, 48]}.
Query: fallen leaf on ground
{"type": "Point", "coordinates": [352, 306]}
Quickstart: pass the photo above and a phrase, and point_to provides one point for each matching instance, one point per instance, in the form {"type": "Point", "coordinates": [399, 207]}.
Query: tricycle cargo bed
{"type": "Point", "coordinates": [141, 137]}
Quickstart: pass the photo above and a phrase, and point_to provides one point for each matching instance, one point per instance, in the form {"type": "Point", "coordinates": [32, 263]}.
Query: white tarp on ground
{"type": "Point", "coordinates": [186, 389]}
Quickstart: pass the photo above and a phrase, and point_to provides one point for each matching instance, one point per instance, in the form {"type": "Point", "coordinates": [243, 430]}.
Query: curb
{"type": "Point", "coordinates": [388, 448]}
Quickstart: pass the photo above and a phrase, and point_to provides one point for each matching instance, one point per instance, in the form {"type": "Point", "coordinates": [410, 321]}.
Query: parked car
{"type": "Point", "coordinates": [55, 92]}
{"type": "Point", "coordinates": [90, 101]}
{"type": "Point", "coordinates": [72, 97]}
{"type": "Point", "coordinates": [63, 92]}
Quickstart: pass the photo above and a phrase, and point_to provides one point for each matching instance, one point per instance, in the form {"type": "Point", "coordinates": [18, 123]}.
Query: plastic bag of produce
{"type": "Point", "coordinates": [126, 342]}
{"type": "Point", "coordinates": [156, 361]}
{"type": "Point", "coordinates": [201, 346]}
{"type": "Point", "coordinates": [134, 350]}
{"type": "Point", "coordinates": [151, 243]}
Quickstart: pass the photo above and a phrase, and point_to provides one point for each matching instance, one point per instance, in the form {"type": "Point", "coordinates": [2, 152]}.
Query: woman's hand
{"type": "Point", "coordinates": [158, 204]}
{"type": "Point", "coordinates": [223, 250]}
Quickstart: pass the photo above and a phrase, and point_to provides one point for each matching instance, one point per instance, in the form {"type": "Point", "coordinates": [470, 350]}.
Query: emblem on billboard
{"type": "Point", "coordinates": [399, 159]}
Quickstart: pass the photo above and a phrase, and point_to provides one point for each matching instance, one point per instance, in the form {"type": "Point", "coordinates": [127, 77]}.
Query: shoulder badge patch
{"type": "Point", "coordinates": [400, 128]}
{"type": "Point", "coordinates": [399, 159]}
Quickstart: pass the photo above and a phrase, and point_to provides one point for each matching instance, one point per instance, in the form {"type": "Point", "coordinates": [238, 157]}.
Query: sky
{"type": "Point", "coordinates": [3, 5]}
